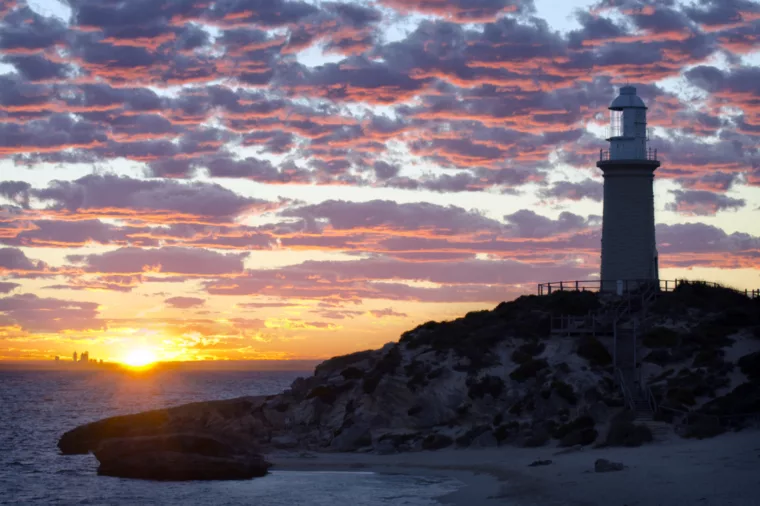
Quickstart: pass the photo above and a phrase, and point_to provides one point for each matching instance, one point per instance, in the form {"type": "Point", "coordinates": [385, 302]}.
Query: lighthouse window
{"type": "Point", "coordinates": [616, 123]}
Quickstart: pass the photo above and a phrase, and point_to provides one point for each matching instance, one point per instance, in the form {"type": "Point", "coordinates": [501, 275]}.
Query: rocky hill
{"type": "Point", "coordinates": [493, 377]}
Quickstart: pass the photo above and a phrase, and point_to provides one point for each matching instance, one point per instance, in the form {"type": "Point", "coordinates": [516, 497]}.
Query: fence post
{"type": "Point", "coordinates": [560, 287]}
{"type": "Point", "coordinates": [576, 287]}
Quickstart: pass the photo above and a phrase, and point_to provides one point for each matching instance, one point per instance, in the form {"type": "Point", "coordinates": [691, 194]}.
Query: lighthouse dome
{"type": "Point", "coordinates": [627, 100]}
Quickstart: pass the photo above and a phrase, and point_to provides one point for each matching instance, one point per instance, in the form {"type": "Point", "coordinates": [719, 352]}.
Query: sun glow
{"type": "Point", "coordinates": [140, 358]}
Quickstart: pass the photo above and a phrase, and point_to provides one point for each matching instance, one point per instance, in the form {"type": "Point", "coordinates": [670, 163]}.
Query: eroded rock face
{"type": "Point", "coordinates": [178, 457]}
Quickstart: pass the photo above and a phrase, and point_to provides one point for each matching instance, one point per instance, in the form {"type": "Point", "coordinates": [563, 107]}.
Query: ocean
{"type": "Point", "coordinates": [36, 407]}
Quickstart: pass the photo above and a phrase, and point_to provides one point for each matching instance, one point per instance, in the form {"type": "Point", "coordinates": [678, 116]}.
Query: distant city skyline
{"type": "Point", "coordinates": [185, 180]}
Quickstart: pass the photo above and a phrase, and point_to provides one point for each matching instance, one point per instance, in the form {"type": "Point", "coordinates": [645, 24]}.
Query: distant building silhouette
{"type": "Point", "coordinates": [85, 357]}
{"type": "Point", "coordinates": [75, 356]}
{"type": "Point", "coordinates": [57, 358]}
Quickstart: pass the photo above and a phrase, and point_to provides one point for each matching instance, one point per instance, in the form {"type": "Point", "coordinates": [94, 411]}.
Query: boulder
{"type": "Point", "coordinates": [605, 466]}
{"type": "Point", "coordinates": [284, 442]}
{"type": "Point", "coordinates": [232, 418]}
{"type": "Point", "coordinates": [177, 457]}
{"type": "Point", "coordinates": [537, 463]}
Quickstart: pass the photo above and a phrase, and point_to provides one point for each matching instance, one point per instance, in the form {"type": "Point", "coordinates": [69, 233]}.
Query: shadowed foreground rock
{"type": "Point", "coordinates": [177, 457]}
{"type": "Point", "coordinates": [232, 420]}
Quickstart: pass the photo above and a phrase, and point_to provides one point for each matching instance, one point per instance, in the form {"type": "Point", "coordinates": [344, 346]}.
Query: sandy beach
{"type": "Point", "coordinates": [723, 471]}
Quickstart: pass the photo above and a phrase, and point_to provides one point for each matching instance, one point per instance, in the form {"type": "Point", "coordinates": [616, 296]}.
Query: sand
{"type": "Point", "coordinates": [722, 471]}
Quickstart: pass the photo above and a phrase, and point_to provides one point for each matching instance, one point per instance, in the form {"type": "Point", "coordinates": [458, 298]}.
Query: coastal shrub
{"type": "Point", "coordinates": [435, 373]}
{"type": "Point", "coordinates": [581, 437]}
{"type": "Point", "coordinates": [742, 400]}
{"type": "Point", "coordinates": [414, 410]}
{"type": "Point", "coordinates": [468, 437]}
{"type": "Point", "coordinates": [661, 337]}
{"type": "Point", "coordinates": [506, 431]}
{"type": "Point", "coordinates": [626, 433]}
{"type": "Point", "coordinates": [331, 365]}
{"type": "Point", "coordinates": [352, 373]}
{"type": "Point", "coordinates": [386, 365]}
{"type": "Point", "coordinates": [750, 365]}
{"type": "Point", "coordinates": [592, 350]}
{"type": "Point", "coordinates": [527, 351]}
{"type": "Point", "coordinates": [709, 358]}
{"type": "Point", "coordinates": [324, 393]}
{"type": "Point", "coordinates": [565, 391]}
{"type": "Point", "coordinates": [436, 442]}
{"type": "Point", "coordinates": [528, 369]}
{"type": "Point", "coordinates": [539, 437]}
{"type": "Point", "coordinates": [582, 422]}
{"type": "Point", "coordinates": [703, 428]}
{"type": "Point", "coordinates": [491, 385]}
{"type": "Point", "coordinates": [659, 357]}
{"type": "Point", "coordinates": [572, 302]}
{"type": "Point", "coordinates": [681, 397]}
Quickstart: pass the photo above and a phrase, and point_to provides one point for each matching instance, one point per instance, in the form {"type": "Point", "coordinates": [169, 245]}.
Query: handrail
{"type": "Point", "coordinates": [627, 396]}
{"type": "Point", "coordinates": [662, 285]}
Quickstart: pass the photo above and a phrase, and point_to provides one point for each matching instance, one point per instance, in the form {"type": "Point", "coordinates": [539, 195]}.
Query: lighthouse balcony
{"type": "Point", "coordinates": [649, 155]}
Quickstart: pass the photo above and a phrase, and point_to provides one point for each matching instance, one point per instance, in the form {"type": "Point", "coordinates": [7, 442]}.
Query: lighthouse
{"type": "Point", "coordinates": [629, 249]}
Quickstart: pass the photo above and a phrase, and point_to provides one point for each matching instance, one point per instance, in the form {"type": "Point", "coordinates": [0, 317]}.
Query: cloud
{"type": "Point", "coordinates": [110, 195]}
{"type": "Point", "coordinates": [566, 190]}
{"type": "Point", "coordinates": [6, 287]}
{"type": "Point", "coordinates": [47, 315]}
{"type": "Point", "coordinates": [169, 260]}
{"type": "Point", "coordinates": [387, 313]}
{"type": "Point", "coordinates": [184, 302]}
{"type": "Point", "coordinates": [703, 203]}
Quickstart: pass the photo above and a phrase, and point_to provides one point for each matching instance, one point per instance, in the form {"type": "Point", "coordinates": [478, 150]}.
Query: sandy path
{"type": "Point", "coordinates": [723, 471]}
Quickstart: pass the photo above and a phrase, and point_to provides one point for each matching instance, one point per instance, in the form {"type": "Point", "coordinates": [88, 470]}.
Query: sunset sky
{"type": "Point", "coordinates": [272, 179]}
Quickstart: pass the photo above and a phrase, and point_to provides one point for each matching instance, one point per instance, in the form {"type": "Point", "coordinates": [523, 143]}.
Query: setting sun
{"type": "Point", "coordinates": [140, 358]}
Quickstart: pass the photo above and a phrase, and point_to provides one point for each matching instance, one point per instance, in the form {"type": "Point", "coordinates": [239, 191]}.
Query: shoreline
{"type": "Point", "coordinates": [722, 471]}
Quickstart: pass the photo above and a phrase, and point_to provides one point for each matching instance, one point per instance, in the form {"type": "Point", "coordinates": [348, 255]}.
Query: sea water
{"type": "Point", "coordinates": [36, 407]}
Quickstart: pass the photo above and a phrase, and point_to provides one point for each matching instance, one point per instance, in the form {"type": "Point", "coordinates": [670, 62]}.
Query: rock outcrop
{"type": "Point", "coordinates": [490, 378]}
{"type": "Point", "coordinates": [178, 457]}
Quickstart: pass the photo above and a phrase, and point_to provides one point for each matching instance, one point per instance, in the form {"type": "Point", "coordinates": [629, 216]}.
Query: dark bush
{"type": "Point", "coordinates": [414, 410]}
{"type": "Point", "coordinates": [742, 400]}
{"type": "Point", "coordinates": [750, 365]}
{"type": "Point", "coordinates": [324, 393]}
{"type": "Point", "coordinates": [386, 365]}
{"type": "Point", "coordinates": [661, 337]}
{"type": "Point", "coordinates": [340, 363]}
{"type": "Point", "coordinates": [528, 369]}
{"type": "Point", "coordinates": [703, 428]}
{"type": "Point", "coordinates": [581, 437]}
{"type": "Point", "coordinates": [468, 437]}
{"type": "Point", "coordinates": [565, 391]}
{"type": "Point", "coordinates": [436, 442]}
{"type": "Point", "coordinates": [709, 358]}
{"type": "Point", "coordinates": [627, 433]}
{"type": "Point", "coordinates": [538, 438]}
{"type": "Point", "coordinates": [506, 431]}
{"type": "Point", "coordinates": [592, 350]}
{"type": "Point", "coordinates": [582, 422]}
{"type": "Point", "coordinates": [681, 397]}
{"type": "Point", "coordinates": [352, 373]}
{"type": "Point", "coordinates": [659, 357]}
{"type": "Point", "coordinates": [435, 373]}
{"type": "Point", "coordinates": [492, 385]}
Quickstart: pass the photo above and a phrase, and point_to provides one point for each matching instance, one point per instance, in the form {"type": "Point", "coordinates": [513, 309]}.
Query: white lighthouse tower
{"type": "Point", "coordinates": [629, 250]}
